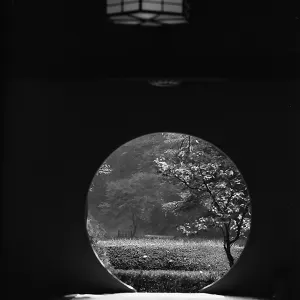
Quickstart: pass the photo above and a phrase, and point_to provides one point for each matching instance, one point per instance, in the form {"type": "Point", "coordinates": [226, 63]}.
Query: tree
{"type": "Point", "coordinates": [136, 156]}
{"type": "Point", "coordinates": [212, 184]}
{"type": "Point", "coordinates": [132, 198]}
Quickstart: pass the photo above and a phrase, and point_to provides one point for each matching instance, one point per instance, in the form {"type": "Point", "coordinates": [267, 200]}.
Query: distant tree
{"type": "Point", "coordinates": [132, 198]}
{"type": "Point", "coordinates": [210, 183]}
{"type": "Point", "coordinates": [136, 156]}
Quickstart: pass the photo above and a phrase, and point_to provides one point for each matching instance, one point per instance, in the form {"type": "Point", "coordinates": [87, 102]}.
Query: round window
{"type": "Point", "coordinates": [168, 212]}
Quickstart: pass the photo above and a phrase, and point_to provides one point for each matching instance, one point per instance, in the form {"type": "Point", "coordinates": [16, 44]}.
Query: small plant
{"type": "Point", "coordinates": [97, 233]}
{"type": "Point", "coordinates": [102, 255]}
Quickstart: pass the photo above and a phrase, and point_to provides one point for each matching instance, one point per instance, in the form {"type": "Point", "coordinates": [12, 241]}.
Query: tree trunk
{"type": "Point", "coordinates": [133, 231]}
{"type": "Point", "coordinates": [226, 245]}
{"type": "Point", "coordinates": [134, 225]}
{"type": "Point", "coordinates": [228, 253]}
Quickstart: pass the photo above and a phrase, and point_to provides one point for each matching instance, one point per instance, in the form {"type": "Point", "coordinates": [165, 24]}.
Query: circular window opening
{"type": "Point", "coordinates": [168, 212]}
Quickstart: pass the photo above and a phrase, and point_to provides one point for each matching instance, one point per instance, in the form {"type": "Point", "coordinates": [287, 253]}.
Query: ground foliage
{"type": "Point", "coordinates": [167, 265]}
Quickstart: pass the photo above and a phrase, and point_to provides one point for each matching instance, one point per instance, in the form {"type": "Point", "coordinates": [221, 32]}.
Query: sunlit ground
{"type": "Point", "coordinates": [165, 243]}
{"type": "Point", "coordinates": [194, 260]}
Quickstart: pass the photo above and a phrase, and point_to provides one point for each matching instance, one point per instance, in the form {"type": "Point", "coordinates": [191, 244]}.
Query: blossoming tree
{"type": "Point", "coordinates": [210, 183]}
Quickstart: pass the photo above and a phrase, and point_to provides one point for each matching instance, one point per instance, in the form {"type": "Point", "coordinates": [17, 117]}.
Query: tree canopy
{"type": "Point", "coordinates": [211, 181]}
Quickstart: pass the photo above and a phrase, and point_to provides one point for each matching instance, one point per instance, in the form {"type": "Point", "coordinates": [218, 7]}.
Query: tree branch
{"type": "Point", "coordinates": [230, 198]}
{"type": "Point", "coordinates": [223, 232]}
{"type": "Point", "coordinates": [231, 188]}
{"type": "Point", "coordinates": [181, 145]}
{"type": "Point", "coordinates": [183, 181]}
{"type": "Point", "coordinates": [209, 191]}
{"type": "Point", "coordinates": [240, 226]}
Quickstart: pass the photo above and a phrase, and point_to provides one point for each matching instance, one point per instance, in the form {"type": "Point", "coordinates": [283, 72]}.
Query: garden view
{"type": "Point", "coordinates": [168, 212]}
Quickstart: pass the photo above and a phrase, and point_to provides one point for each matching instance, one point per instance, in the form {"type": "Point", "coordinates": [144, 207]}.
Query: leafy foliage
{"type": "Point", "coordinates": [95, 230]}
{"type": "Point", "coordinates": [210, 181]}
{"type": "Point", "coordinates": [132, 198]}
{"type": "Point", "coordinates": [96, 233]}
{"type": "Point", "coordinates": [105, 169]}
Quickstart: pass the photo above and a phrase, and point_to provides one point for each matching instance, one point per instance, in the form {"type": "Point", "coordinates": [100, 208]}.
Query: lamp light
{"type": "Point", "coordinates": [164, 82]}
{"type": "Point", "coordinates": [147, 12]}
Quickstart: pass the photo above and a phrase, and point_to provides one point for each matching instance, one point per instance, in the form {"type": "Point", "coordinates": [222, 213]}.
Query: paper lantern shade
{"type": "Point", "coordinates": [147, 12]}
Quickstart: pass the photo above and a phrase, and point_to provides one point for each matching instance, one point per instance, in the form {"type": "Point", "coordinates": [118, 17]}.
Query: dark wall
{"type": "Point", "coordinates": [57, 135]}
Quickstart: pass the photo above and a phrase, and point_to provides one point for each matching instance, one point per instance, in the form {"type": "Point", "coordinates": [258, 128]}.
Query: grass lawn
{"type": "Point", "coordinates": [160, 265]}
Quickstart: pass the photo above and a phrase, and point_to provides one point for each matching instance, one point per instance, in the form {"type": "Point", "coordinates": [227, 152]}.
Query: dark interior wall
{"type": "Point", "coordinates": [57, 136]}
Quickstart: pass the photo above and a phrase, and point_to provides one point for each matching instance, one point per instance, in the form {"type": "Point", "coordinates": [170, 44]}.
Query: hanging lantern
{"type": "Point", "coordinates": [147, 12]}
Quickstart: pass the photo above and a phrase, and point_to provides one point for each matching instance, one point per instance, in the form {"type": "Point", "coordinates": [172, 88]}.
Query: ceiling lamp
{"type": "Point", "coordinates": [164, 82]}
{"type": "Point", "coordinates": [147, 12]}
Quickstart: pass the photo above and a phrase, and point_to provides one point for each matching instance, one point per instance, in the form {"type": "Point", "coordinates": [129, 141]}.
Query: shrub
{"type": "Point", "coordinates": [97, 233]}
{"type": "Point", "coordinates": [95, 230]}
{"type": "Point", "coordinates": [102, 255]}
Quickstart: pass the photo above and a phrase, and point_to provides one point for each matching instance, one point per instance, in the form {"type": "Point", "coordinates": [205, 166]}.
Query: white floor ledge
{"type": "Point", "coordinates": [157, 296]}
